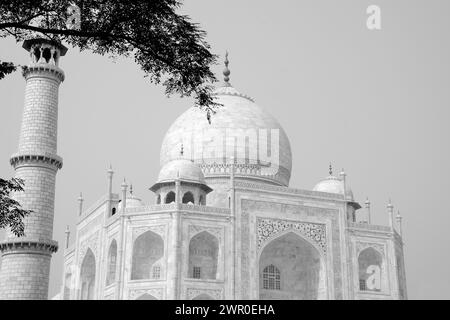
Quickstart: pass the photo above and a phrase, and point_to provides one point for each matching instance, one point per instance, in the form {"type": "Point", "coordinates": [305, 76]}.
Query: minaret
{"type": "Point", "coordinates": [25, 267]}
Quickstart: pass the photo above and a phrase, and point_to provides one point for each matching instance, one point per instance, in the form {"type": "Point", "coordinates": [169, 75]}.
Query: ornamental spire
{"type": "Point", "coordinates": [226, 72]}
{"type": "Point", "coordinates": [330, 169]}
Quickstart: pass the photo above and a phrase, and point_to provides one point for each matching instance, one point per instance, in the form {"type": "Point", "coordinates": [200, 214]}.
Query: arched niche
{"type": "Point", "coordinates": [170, 197]}
{"type": "Point", "coordinates": [87, 276]}
{"type": "Point", "coordinates": [291, 268]}
{"type": "Point", "coordinates": [146, 296]}
{"type": "Point", "coordinates": [148, 251]}
{"type": "Point", "coordinates": [188, 197]}
{"type": "Point", "coordinates": [370, 270]}
{"type": "Point", "coordinates": [203, 296]}
{"type": "Point", "coordinates": [111, 263]}
{"type": "Point", "coordinates": [203, 256]}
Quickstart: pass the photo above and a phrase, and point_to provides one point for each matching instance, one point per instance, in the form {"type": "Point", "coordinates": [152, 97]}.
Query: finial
{"type": "Point", "coordinates": [226, 71]}
{"type": "Point", "coordinates": [131, 188]}
{"type": "Point", "coordinates": [367, 203]}
{"type": "Point", "coordinates": [182, 150]}
{"type": "Point", "coordinates": [390, 205]}
{"type": "Point", "coordinates": [67, 232]}
{"type": "Point", "coordinates": [124, 184]}
{"type": "Point", "coordinates": [110, 170]}
{"type": "Point", "coordinates": [330, 169]}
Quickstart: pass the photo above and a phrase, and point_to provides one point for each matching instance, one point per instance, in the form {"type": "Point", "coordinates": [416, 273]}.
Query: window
{"type": "Point", "coordinates": [156, 272]}
{"type": "Point", "coordinates": [170, 197]}
{"type": "Point", "coordinates": [188, 197]}
{"type": "Point", "coordinates": [112, 260]}
{"type": "Point", "coordinates": [113, 211]}
{"type": "Point", "coordinates": [362, 285]}
{"type": "Point", "coordinates": [271, 278]}
{"type": "Point", "coordinates": [196, 273]}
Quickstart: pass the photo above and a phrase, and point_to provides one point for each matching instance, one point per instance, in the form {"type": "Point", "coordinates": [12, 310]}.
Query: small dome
{"type": "Point", "coordinates": [332, 184]}
{"type": "Point", "coordinates": [132, 202]}
{"type": "Point", "coordinates": [182, 169]}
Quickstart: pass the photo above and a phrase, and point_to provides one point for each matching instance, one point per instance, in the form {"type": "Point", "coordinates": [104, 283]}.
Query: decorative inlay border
{"type": "Point", "coordinates": [195, 229]}
{"type": "Point", "coordinates": [92, 243]}
{"type": "Point", "coordinates": [267, 228]}
{"type": "Point", "coordinates": [360, 246]}
{"type": "Point", "coordinates": [191, 293]}
{"type": "Point", "coordinates": [155, 292]}
{"type": "Point", "coordinates": [286, 190]}
{"type": "Point", "coordinates": [158, 229]}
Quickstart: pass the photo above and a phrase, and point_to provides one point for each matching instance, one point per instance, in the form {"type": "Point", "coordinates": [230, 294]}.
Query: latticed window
{"type": "Point", "coordinates": [271, 278]}
{"type": "Point", "coordinates": [156, 272]}
{"type": "Point", "coordinates": [362, 285]}
{"type": "Point", "coordinates": [196, 272]}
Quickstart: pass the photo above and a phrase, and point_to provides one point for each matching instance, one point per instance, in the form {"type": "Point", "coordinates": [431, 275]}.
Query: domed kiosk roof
{"type": "Point", "coordinates": [237, 130]}
{"type": "Point", "coordinates": [333, 184]}
{"type": "Point", "coordinates": [183, 170]}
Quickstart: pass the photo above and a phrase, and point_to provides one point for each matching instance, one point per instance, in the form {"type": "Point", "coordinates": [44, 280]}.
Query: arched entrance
{"type": "Point", "coordinates": [203, 256]}
{"type": "Point", "coordinates": [291, 268]}
{"type": "Point", "coordinates": [87, 276]}
{"type": "Point", "coordinates": [148, 251]}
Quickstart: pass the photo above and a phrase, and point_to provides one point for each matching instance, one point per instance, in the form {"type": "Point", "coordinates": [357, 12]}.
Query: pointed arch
{"type": "Point", "coordinates": [203, 256]}
{"type": "Point", "coordinates": [188, 197]}
{"type": "Point", "coordinates": [111, 263]}
{"type": "Point", "coordinates": [146, 296]}
{"type": "Point", "coordinates": [290, 267]}
{"type": "Point", "coordinates": [87, 276]}
{"type": "Point", "coordinates": [170, 197]}
{"type": "Point", "coordinates": [148, 251]}
{"type": "Point", "coordinates": [370, 270]}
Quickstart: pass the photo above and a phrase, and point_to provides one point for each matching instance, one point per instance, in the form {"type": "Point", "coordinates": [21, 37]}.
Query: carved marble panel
{"type": "Point", "coordinates": [268, 228]}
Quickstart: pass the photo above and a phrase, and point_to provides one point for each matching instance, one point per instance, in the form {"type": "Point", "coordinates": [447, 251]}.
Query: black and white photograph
{"type": "Point", "coordinates": [231, 151]}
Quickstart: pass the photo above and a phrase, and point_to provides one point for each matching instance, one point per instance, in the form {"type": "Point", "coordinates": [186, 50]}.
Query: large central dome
{"type": "Point", "coordinates": [239, 129]}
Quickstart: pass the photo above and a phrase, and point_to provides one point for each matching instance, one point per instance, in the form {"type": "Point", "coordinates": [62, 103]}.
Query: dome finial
{"type": "Point", "coordinates": [226, 71]}
{"type": "Point", "coordinates": [182, 151]}
{"type": "Point", "coordinates": [131, 189]}
{"type": "Point", "coordinates": [330, 169]}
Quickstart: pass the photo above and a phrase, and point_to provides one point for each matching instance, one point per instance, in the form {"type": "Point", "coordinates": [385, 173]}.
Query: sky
{"type": "Point", "coordinates": [375, 102]}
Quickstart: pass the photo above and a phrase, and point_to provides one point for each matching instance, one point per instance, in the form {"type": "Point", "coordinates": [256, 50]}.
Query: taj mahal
{"type": "Point", "coordinates": [224, 223]}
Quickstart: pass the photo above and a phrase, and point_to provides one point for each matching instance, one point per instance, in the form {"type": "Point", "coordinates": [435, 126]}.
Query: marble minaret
{"type": "Point", "coordinates": [25, 267]}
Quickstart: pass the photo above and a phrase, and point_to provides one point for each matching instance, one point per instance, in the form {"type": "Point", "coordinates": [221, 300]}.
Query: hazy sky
{"type": "Point", "coordinates": [374, 102]}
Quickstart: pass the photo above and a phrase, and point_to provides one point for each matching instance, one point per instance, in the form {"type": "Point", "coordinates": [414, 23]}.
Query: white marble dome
{"type": "Point", "coordinates": [237, 111]}
{"type": "Point", "coordinates": [182, 169]}
{"type": "Point", "coordinates": [332, 184]}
